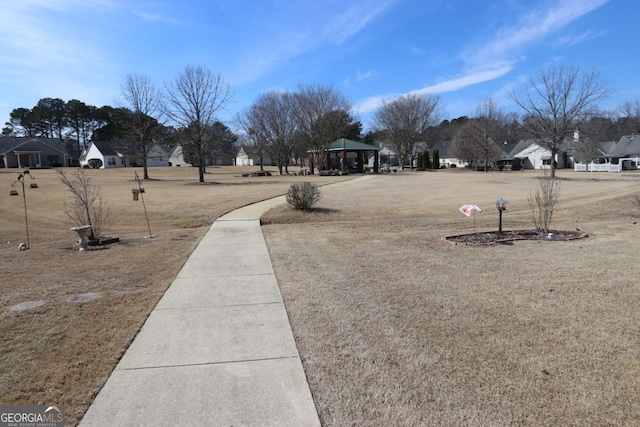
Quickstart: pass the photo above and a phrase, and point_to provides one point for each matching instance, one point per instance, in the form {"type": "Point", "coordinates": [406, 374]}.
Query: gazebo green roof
{"type": "Point", "coordinates": [349, 145]}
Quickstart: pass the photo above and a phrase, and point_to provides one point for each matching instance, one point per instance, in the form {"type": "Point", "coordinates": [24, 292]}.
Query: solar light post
{"type": "Point", "coordinates": [14, 192]}
{"type": "Point", "coordinates": [501, 205]}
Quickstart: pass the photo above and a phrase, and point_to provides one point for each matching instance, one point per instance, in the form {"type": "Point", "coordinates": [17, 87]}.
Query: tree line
{"type": "Point", "coordinates": [282, 125]}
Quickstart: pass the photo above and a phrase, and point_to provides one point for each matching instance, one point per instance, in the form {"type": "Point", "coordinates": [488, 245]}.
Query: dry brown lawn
{"type": "Point", "coordinates": [396, 327]}
{"type": "Point", "coordinates": [62, 352]}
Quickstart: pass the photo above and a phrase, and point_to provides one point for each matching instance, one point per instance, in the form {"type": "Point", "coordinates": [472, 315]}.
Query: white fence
{"type": "Point", "coordinates": [623, 164]}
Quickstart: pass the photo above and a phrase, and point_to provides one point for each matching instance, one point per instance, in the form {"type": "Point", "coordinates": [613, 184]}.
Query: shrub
{"type": "Point", "coordinates": [84, 204]}
{"type": "Point", "coordinates": [542, 203]}
{"type": "Point", "coordinates": [303, 196]}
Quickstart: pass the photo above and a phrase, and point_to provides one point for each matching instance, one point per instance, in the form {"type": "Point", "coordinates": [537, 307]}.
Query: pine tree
{"type": "Point", "coordinates": [436, 159]}
{"type": "Point", "coordinates": [427, 161]}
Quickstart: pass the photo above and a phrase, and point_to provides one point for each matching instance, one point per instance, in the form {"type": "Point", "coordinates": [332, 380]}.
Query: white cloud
{"type": "Point", "coordinates": [353, 20]}
{"type": "Point", "coordinates": [301, 33]}
{"type": "Point", "coordinates": [468, 79]}
{"type": "Point", "coordinates": [368, 105]}
{"type": "Point", "coordinates": [47, 52]}
{"type": "Point", "coordinates": [574, 40]}
{"type": "Point", "coordinates": [367, 75]}
{"type": "Point", "coordinates": [498, 56]}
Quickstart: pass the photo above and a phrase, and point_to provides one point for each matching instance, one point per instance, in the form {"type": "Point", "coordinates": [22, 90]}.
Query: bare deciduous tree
{"type": "Point", "coordinates": [317, 126]}
{"type": "Point", "coordinates": [142, 98]}
{"type": "Point", "coordinates": [478, 138]}
{"type": "Point", "coordinates": [555, 100]}
{"type": "Point", "coordinates": [406, 120]}
{"type": "Point", "coordinates": [192, 101]}
{"type": "Point", "coordinates": [84, 204]}
{"type": "Point", "coordinates": [269, 123]}
{"type": "Point", "coordinates": [631, 110]}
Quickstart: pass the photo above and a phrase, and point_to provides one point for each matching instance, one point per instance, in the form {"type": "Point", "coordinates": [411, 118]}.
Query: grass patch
{"type": "Point", "coordinates": [61, 352]}
{"type": "Point", "coordinates": [396, 327]}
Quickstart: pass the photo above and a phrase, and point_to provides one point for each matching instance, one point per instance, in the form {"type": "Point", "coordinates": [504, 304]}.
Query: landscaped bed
{"type": "Point", "coordinates": [493, 237]}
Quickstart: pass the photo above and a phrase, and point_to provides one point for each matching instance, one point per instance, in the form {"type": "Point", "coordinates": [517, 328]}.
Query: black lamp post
{"type": "Point", "coordinates": [14, 192]}
{"type": "Point", "coordinates": [501, 205]}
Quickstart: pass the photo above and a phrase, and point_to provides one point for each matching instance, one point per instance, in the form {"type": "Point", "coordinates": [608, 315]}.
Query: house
{"type": "Point", "coordinates": [176, 157]}
{"type": "Point", "coordinates": [248, 156]}
{"type": "Point", "coordinates": [533, 154]}
{"type": "Point", "coordinates": [33, 152]}
{"type": "Point", "coordinates": [615, 156]}
{"type": "Point", "coordinates": [447, 159]}
{"type": "Point", "coordinates": [117, 154]}
{"type": "Point", "coordinates": [388, 156]}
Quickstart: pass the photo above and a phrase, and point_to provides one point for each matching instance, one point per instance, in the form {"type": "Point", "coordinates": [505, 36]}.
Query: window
{"type": "Point", "coordinates": [111, 161]}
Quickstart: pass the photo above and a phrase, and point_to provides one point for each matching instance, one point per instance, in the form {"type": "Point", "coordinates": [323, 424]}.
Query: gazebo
{"type": "Point", "coordinates": [347, 155]}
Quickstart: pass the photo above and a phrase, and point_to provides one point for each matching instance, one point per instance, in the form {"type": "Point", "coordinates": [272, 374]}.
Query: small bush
{"type": "Point", "coordinates": [303, 196]}
{"type": "Point", "coordinates": [84, 204]}
{"type": "Point", "coordinates": [543, 202]}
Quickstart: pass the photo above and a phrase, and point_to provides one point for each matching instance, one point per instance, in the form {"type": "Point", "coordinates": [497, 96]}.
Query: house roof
{"type": "Point", "coordinates": [29, 146]}
{"type": "Point", "coordinates": [606, 147]}
{"type": "Point", "coordinates": [521, 146]}
{"type": "Point", "coordinates": [248, 150]}
{"type": "Point", "coordinates": [628, 145]}
{"type": "Point", "coordinates": [387, 149]}
{"type": "Point", "coordinates": [114, 148]}
{"type": "Point", "coordinates": [349, 145]}
{"type": "Point", "coordinates": [28, 143]}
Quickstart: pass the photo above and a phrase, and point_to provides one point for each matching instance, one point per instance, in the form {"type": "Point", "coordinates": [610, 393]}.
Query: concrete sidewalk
{"type": "Point", "coordinates": [218, 349]}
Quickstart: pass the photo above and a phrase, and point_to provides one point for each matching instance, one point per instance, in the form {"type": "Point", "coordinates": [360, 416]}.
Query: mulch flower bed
{"type": "Point", "coordinates": [493, 237]}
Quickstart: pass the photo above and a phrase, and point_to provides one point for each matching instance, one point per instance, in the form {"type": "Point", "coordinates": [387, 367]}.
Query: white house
{"type": "Point", "coordinates": [615, 156]}
{"type": "Point", "coordinates": [111, 154]}
{"type": "Point", "coordinates": [248, 156]}
{"type": "Point", "coordinates": [532, 154]}
{"type": "Point", "coordinates": [156, 157]}
{"type": "Point", "coordinates": [447, 159]}
{"type": "Point", "coordinates": [176, 158]}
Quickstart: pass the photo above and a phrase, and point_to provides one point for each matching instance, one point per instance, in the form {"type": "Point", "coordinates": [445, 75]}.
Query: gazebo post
{"type": "Point", "coordinates": [343, 164]}
{"type": "Point", "coordinates": [327, 161]}
{"type": "Point", "coordinates": [376, 161]}
{"type": "Point", "coordinates": [360, 161]}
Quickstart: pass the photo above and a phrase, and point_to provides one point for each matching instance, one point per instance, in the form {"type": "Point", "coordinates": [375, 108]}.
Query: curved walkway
{"type": "Point", "coordinates": [217, 349]}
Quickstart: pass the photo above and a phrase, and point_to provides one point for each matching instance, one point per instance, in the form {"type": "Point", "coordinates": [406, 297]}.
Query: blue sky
{"type": "Point", "coordinates": [370, 50]}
